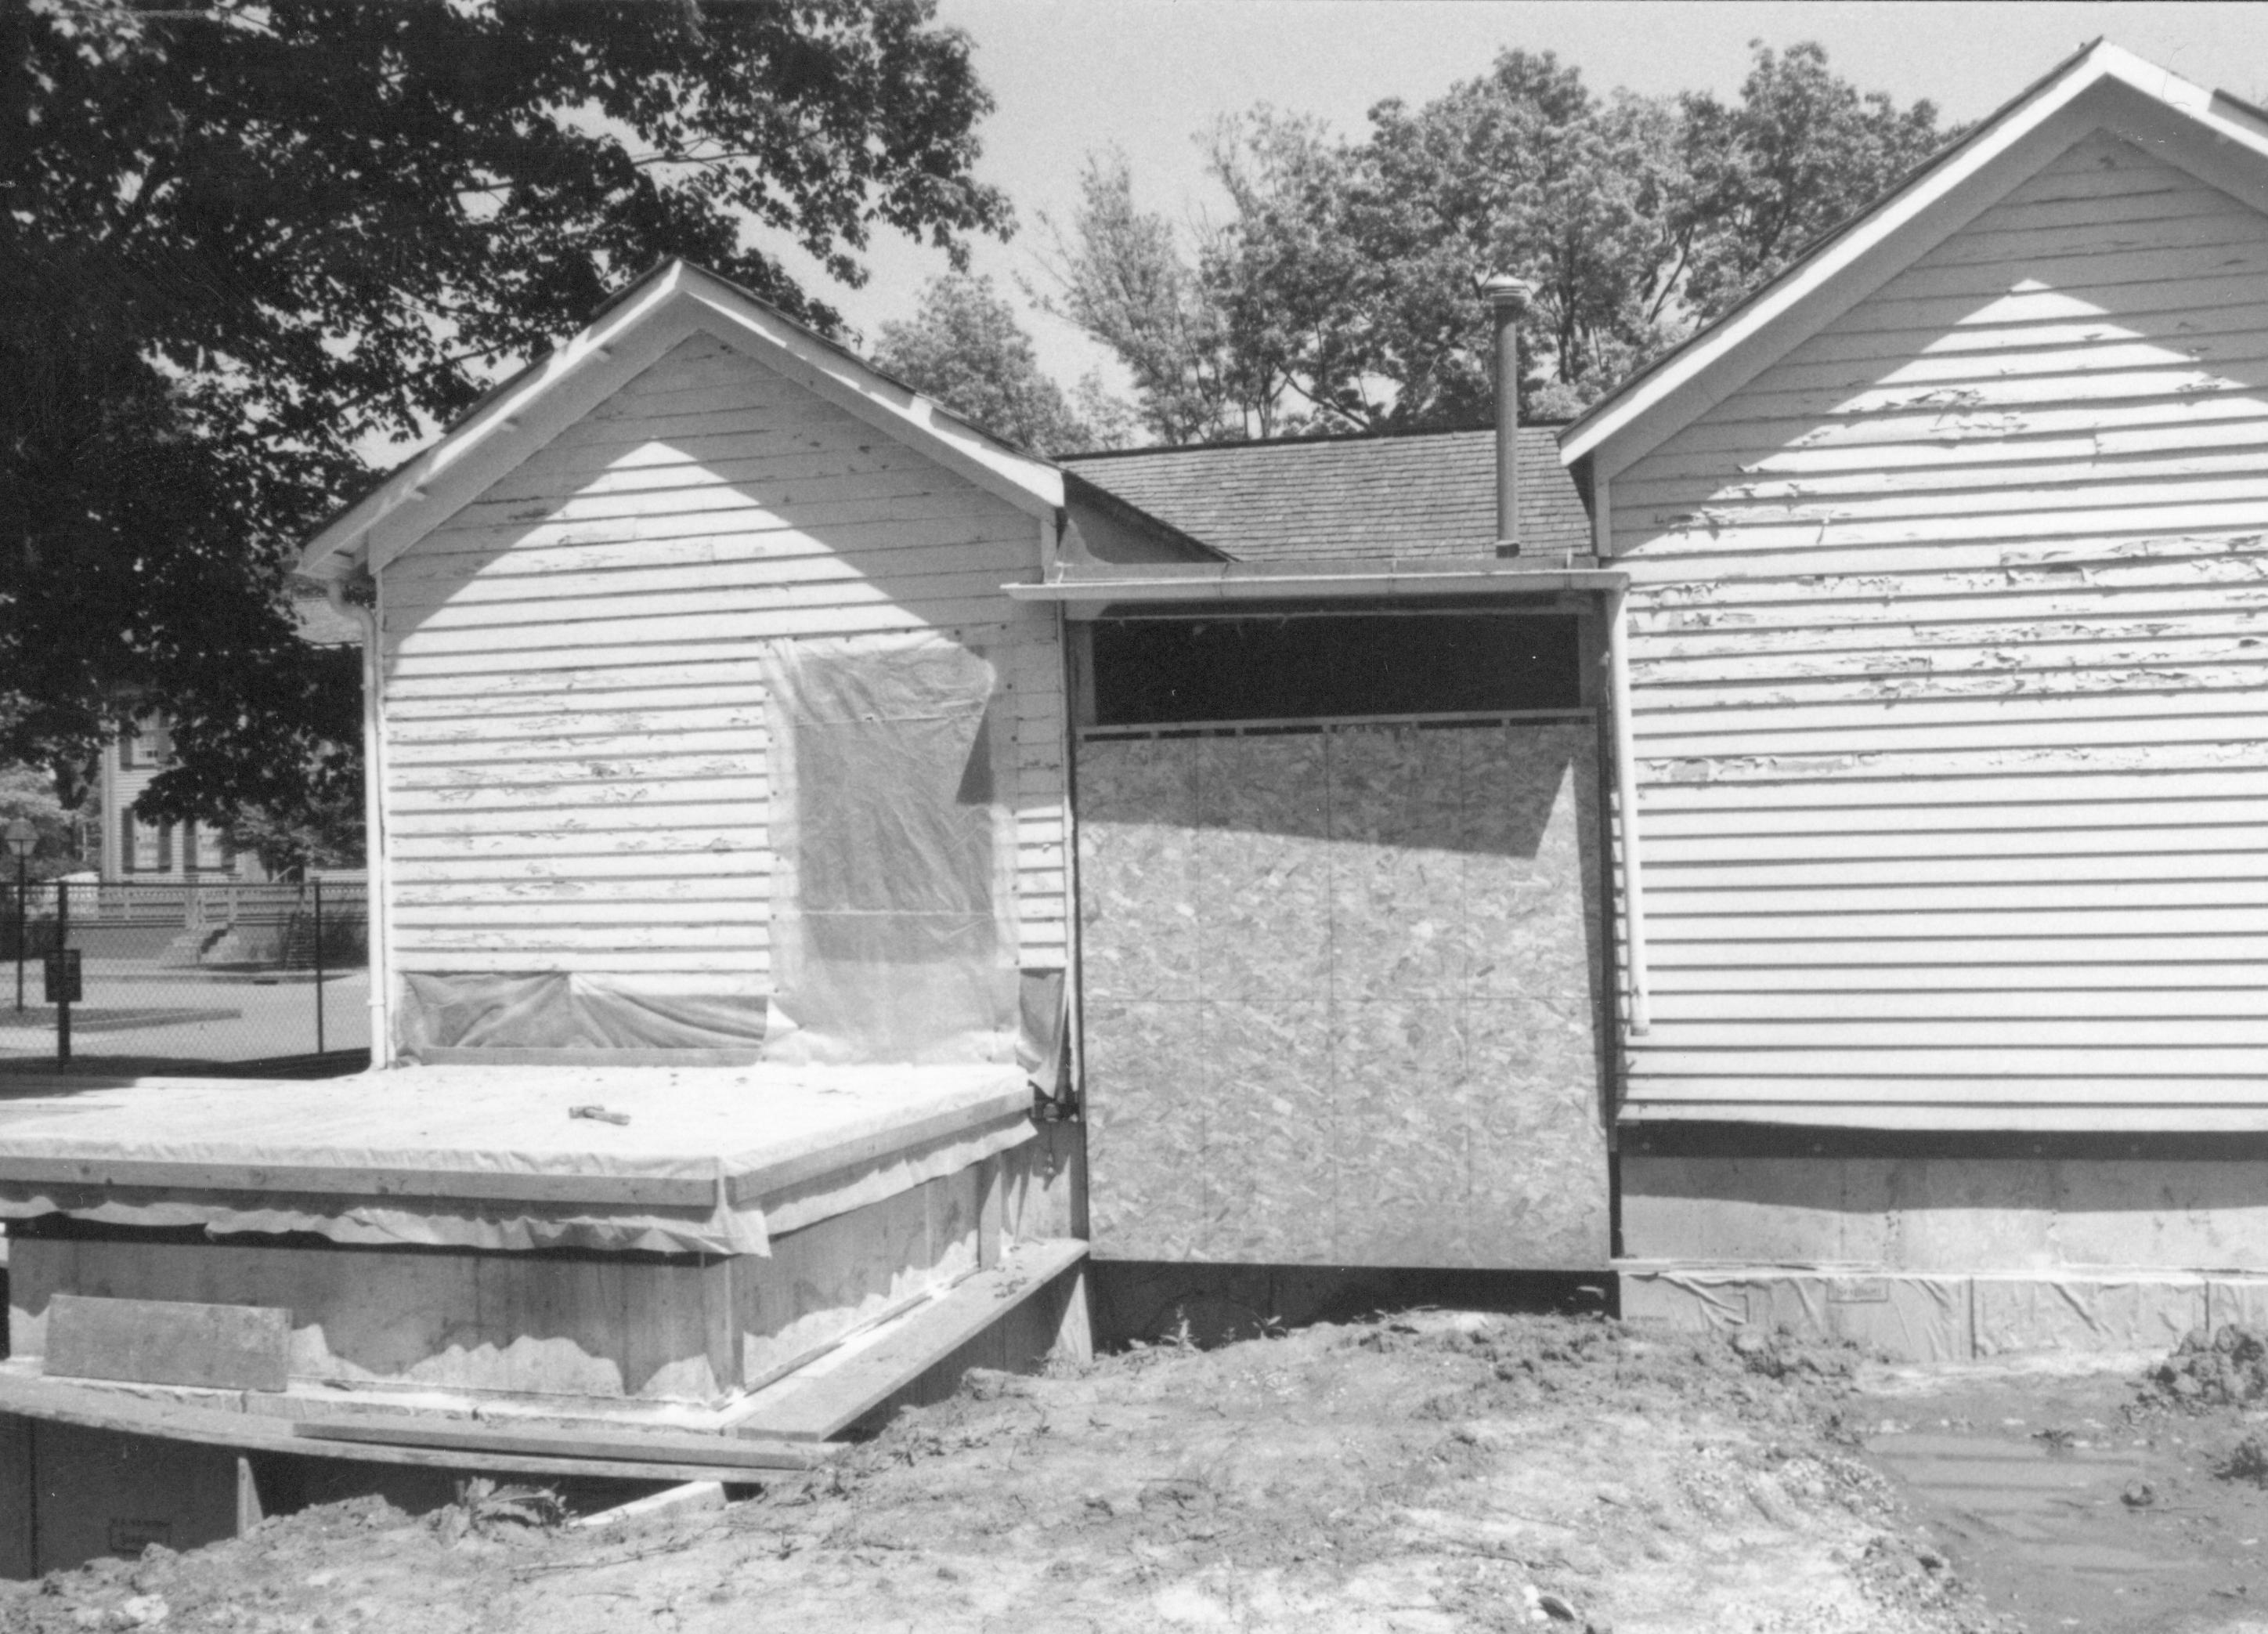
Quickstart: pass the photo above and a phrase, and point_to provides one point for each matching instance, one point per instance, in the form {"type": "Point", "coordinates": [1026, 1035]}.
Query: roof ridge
{"type": "Point", "coordinates": [1543, 429]}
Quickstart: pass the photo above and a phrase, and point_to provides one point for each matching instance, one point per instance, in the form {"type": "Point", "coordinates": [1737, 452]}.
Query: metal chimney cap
{"type": "Point", "coordinates": [1501, 289]}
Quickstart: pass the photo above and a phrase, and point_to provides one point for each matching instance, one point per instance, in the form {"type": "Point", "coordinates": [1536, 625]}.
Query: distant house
{"type": "Point", "coordinates": [131, 849]}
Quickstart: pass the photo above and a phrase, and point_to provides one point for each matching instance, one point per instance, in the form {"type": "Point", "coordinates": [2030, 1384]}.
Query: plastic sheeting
{"type": "Point", "coordinates": [892, 933]}
{"type": "Point", "coordinates": [561, 1011]}
{"type": "Point", "coordinates": [420, 1155]}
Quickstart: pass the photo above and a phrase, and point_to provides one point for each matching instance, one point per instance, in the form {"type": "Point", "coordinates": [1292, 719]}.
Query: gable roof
{"type": "Point", "coordinates": [1426, 495]}
{"type": "Point", "coordinates": [632, 330]}
{"type": "Point", "coordinates": [2219, 139]}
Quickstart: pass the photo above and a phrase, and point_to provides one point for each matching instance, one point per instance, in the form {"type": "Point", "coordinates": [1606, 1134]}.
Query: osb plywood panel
{"type": "Point", "coordinates": [1342, 998]}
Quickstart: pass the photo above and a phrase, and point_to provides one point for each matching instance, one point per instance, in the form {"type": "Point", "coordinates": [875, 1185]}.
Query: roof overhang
{"type": "Point", "coordinates": [673, 302]}
{"type": "Point", "coordinates": [1084, 593]}
{"type": "Point", "coordinates": [2217, 137]}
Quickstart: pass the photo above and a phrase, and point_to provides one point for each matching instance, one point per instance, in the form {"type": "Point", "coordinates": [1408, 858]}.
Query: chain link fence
{"type": "Point", "coordinates": [184, 975]}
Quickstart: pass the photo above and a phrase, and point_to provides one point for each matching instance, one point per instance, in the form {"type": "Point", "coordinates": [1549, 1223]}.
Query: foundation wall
{"type": "Point", "coordinates": [1931, 1256]}
{"type": "Point", "coordinates": [584, 1326]}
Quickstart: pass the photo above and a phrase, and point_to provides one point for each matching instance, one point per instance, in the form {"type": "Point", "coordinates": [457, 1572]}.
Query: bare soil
{"type": "Point", "coordinates": [1445, 1471]}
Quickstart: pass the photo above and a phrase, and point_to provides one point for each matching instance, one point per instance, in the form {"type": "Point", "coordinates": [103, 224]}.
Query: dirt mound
{"type": "Point", "coordinates": [2227, 1368]}
{"type": "Point", "coordinates": [1443, 1471]}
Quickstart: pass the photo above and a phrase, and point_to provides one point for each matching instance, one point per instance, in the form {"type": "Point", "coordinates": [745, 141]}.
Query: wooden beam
{"type": "Point", "coordinates": [752, 1185]}
{"type": "Point", "coordinates": [551, 1441]}
{"type": "Point", "coordinates": [1626, 801]}
{"type": "Point", "coordinates": [652, 1191]}
{"type": "Point", "coordinates": [814, 1408]}
{"type": "Point", "coordinates": [94, 1408]}
{"type": "Point", "coordinates": [227, 1347]}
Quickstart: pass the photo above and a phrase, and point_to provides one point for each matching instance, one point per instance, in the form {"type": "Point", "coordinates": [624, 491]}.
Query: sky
{"type": "Point", "coordinates": [1153, 76]}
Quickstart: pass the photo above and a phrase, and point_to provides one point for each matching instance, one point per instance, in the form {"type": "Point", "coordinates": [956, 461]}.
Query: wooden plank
{"type": "Point", "coordinates": [95, 1169]}
{"type": "Point", "coordinates": [684, 902]}
{"type": "Point", "coordinates": [851, 607]}
{"type": "Point", "coordinates": [228, 1347]}
{"type": "Point", "coordinates": [2142, 1118]}
{"type": "Point", "coordinates": [539, 669]}
{"type": "Point", "coordinates": [753, 1185]}
{"type": "Point", "coordinates": [1957, 947]}
{"type": "Point", "coordinates": [565, 744]}
{"type": "Point", "coordinates": [2107, 1068]}
{"type": "Point", "coordinates": [533, 937]}
{"type": "Point", "coordinates": [844, 584]}
{"type": "Point", "coordinates": [1930, 430]}
{"type": "Point", "coordinates": [2006, 1003]}
{"type": "Point", "coordinates": [2082, 875]}
{"type": "Point", "coordinates": [556, 577]}
{"type": "Point", "coordinates": [752, 963]}
{"type": "Point", "coordinates": [739, 1450]}
{"type": "Point", "coordinates": [2108, 1029]}
{"type": "Point", "coordinates": [814, 1409]}
{"type": "Point", "coordinates": [94, 1408]}
{"type": "Point", "coordinates": [2018, 729]}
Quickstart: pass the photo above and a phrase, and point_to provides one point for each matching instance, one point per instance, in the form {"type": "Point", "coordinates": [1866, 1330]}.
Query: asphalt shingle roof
{"type": "Point", "coordinates": [1429, 495]}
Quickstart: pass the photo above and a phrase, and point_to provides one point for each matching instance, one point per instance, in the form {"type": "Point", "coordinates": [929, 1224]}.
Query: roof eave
{"type": "Point", "coordinates": [1375, 578]}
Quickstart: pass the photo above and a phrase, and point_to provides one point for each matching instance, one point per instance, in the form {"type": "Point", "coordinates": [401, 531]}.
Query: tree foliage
{"type": "Point", "coordinates": [1339, 294]}
{"type": "Point", "coordinates": [28, 795]}
{"type": "Point", "coordinates": [966, 348]}
{"type": "Point", "coordinates": [239, 243]}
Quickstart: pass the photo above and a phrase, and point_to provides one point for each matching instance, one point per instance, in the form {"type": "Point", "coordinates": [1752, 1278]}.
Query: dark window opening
{"type": "Point", "coordinates": [1155, 671]}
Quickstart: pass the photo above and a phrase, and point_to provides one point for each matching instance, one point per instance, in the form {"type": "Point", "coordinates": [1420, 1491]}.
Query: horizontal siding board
{"type": "Point", "coordinates": [799, 559]}
{"type": "Point", "coordinates": [665, 537]}
{"type": "Point", "coordinates": [2014, 1006]}
{"type": "Point", "coordinates": [1908, 1067]}
{"type": "Point", "coordinates": [2151, 985]}
{"type": "Point", "coordinates": [746, 968]}
{"type": "Point", "coordinates": [497, 935]}
{"type": "Point", "coordinates": [1823, 848]}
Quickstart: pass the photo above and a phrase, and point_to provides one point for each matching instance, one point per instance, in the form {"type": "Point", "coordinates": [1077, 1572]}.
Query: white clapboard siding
{"type": "Point", "coordinates": [576, 728]}
{"type": "Point", "coordinates": [1949, 650]}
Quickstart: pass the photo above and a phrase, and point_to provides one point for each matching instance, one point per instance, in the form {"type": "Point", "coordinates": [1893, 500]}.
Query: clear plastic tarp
{"type": "Point", "coordinates": [892, 927]}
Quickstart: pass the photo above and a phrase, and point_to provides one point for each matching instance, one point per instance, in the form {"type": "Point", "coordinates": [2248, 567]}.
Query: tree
{"type": "Point", "coordinates": [1122, 277]}
{"type": "Point", "coordinates": [965, 348]}
{"type": "Point", "coordinates": [239, 243]}
{"type": "Point", "coordinates": [1801, 151]}
{"type": "Point", "coordinates": [27, 795]}
{"type": "Point", "coordinates": [1341, 293]}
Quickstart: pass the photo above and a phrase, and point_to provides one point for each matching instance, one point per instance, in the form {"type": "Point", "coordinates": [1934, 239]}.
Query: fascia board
{"type": "Point", "coordinates": [492, 440]}
{"type": "Point", "coordinates": [2109, 87]}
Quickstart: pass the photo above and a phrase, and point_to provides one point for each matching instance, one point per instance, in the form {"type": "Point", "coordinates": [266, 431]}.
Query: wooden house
{"type": "Point", "coordinates": [127, 849]}
{"type": "Point", "coordinates": [837, 876]}
{"type": "Point", "coordinates": [1943, 900]}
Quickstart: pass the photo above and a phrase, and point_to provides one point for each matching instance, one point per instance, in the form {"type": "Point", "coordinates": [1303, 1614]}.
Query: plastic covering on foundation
{"type": "Point", "coordinates": [1937, 1317]}
{"type": "Point", "coordinates": [703, 1160]}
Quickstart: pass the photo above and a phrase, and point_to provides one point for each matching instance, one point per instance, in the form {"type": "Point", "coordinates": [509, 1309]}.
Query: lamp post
{"type": "Point", "coordinates": [19, 838]}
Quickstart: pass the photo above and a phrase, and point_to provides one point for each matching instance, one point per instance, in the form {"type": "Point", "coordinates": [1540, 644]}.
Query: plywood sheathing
{"type": "Point", "coordinates": [1342, 992]}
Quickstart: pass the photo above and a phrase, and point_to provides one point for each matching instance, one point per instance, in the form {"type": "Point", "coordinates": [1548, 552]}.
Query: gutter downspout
{"type": "Point", "coordinates": [375, 918]}
{"type": "Point", "coordinates": [1626, 799]}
